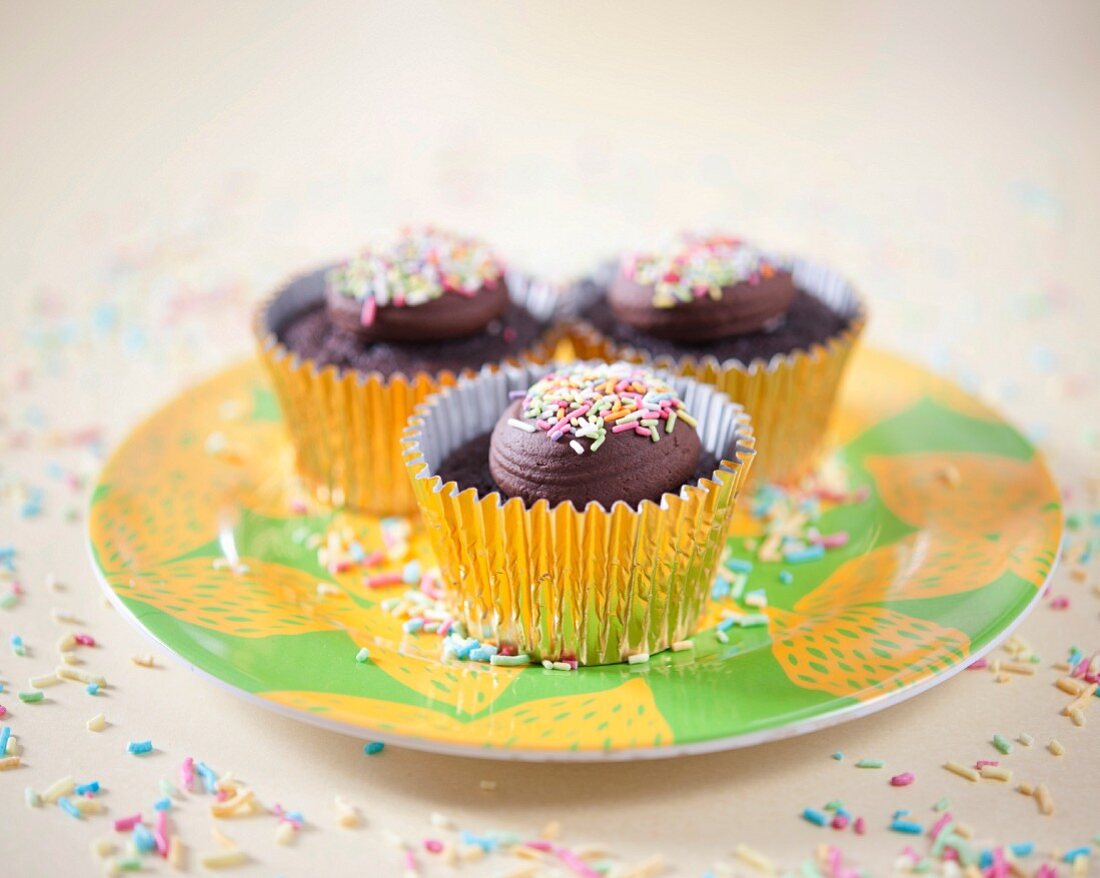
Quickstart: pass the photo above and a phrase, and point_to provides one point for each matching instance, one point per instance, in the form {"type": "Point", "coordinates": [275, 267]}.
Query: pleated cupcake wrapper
{"type": "Point", "coordinates": [346, 426]}
{"type": "Point", "coordinates": [592, 584]}
{"type": "Point", "coordinates": [791, 397]}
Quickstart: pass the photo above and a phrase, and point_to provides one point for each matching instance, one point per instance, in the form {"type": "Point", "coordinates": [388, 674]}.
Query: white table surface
{"type": "Point", "coordinates": [171, 161]}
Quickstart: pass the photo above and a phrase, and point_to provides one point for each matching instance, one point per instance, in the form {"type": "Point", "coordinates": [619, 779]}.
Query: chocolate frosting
{"type": "Point", "coordinates": [452, 315]}
{"type": "Point", "coordinates": [742, 308]}
{"type": "Point", "coordinates": [533, 467]}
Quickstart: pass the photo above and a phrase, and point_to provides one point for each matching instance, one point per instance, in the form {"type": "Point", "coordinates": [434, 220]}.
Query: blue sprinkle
{"type": "Point", "coordinates": [786, 577]}
{"type": "Point", "coordinates": [85, 788]}
{"type": "Point", "coordinates": [162, 804]}
{"type": "Point", "coordinates": [1070, 856]}
{"type": "Point", "coordinates": [410, 575]}
{"type": "Point", "coordinates": [356, 552]}
{"type": "Point", "coordinates": [1023, 849]}
{"type": "Point", "coordinates": [985, 859]}
{"type": "Point", "coordinates": [295, 816]}
{"type": "Point", "coordinates": [814, 816]}
{"type": "Point", "coordinates": [907, 826]}
{"type": "Point", "coordinates": [143, 839]}
{"type": "Point", "coordinates": [838, 756]}
{"type": "Point", "coordinates": [726, 624]}
{"type": "Point", "coordinates": [139, 747]}
{"type": "Point", "coordinates": [904, 812]}
{"type": "Point", "coordinates": [720, 589]}
{"type": "Point", "coordinates": [412, 626]}
{"type": "Point", "coordinates": [739, 565]}
{"type": "Point", "coordinates": [483, 842]}
{"type": "Point", "coordinates": [799, 556]}
{"type": "Point", "coordinates": [483, 653]}
{"type": "Point", "coordinates": [374, 747]}
{"type": "Point", "coordinates": [92, 688]}
{"type": "Point", "coordinates": [843, 812]}
{"type": "Point", "coordinates": [5, 733]}
{"type": "Point", "coordinates": [209, 778]}
{"type": "Point", "coordinates": [68, 807]}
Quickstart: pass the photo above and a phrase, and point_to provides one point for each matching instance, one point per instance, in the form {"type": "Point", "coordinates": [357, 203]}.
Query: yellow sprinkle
{"type": "Point", "coordinates": [348, 814]}
{"type": "Point", "coordinates": [224, 860]}
{"type": "Point", "coordinates": [221, 838]}
{"type": "Point", "coordinates": [964, 829]}
{"type": "Point", "coordinates": [1078, 716]}
{"type": "Point", "coordinates": [12, 748]}
{"type": "Point", "coordinates": [61, 787]}
{"type": "Point", "coordinates": [1026, 739]}
{"type": "Point", "coordinates": [43, 681]}
{"type": "Point", "coordinates": [1056, 748]}
{"type": "Point", "coordinates": [754, 858]}
{"type": "Point", "coordinates": [1070, 685]}
{"type": "Point", "coordinates": [682, 645]}
{"type": "Point", "coordinates": [143, 661]}
{"type": "Point", "coordinates": [97, 723]}
{"type": "Point", "coordinates": [80, 676]}
{"type": "Point", "coordinates": [488, 785]}
{"type": "Point", "coordinates": [995, 772]}
{"type": "Point", "coordinates": [1019, 668]}
{"type": "Point", "coordinates": [7, 762]}
{"type": "Point", "coordinates": [103, 847]}
{"type": "Point", "coordinates": [1025, 789]}
{"type": "Point", "coordinates": [64, 617]}
{"type": "Point", "coordinates": [1083, 699]}
{"type": "Point", "coordinates": [230, 806]}
{"type": "Point", "coordinates": [177, 853]}
{"type": "Point", "coordinates": [285, 833]}
{"type": "Point", "coordinates": [70, 658]}
{"type": "Point", "coordinates": [88, 806]}
{"type": "Point", "coordinates": [1042, 796]}
{"type": "Point", "coordinates": [962, 770]}
{"type": "Point", "coordinates": [66, 643]}
{"type": "Point", "coordinates": [650, 868]}
{"type": "Point", "coordinates": [551, 830]}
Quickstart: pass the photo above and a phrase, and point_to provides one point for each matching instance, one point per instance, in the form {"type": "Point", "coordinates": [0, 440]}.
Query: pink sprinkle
{"type": "Point", "coordinates": [999, 869]}
{"type": "Point", "coordinates": [369, 312]}
{"type": "Point", "coordinates": [978, 765]}
{"type": "Point", "coordinates": [977, 665]}
{"type": "Point", "coordinates": [432, 845]}
{"type": "Point", "coordinates": [622, 428]}
{"type": "Point", "coordinates": [221, 795]}
{"type": "Point", "coordinates": [938, 826]}
{"type": "Point", "coordinates": [834, 541]}
{"type": "Point", "coordinates": [84, 639]}
{"type": "Point", "coordinates": [902, 780]}
{"type": "Point", "coordinates": [509, 334]}
{"type": "Point", "coordinates": [3, 710]}
{"type": "Point", "coordinates": [839, 822]}
{"type": "Point", "coordinates": [410, 862]}
{"type": "Point", "coordinates": [911, 853]}
{"type": "Point", "coordinates": [859, 826]}
{"type": "Point", "coordinates": [160, 834]}
{"type": "Point", "coordinates": [950, 853]}
{"type": "Point", "coordinates": [1059, 603]}
{"type": "Point", "coordinates": [187, 773]}
{"type": "Point", "coordinates": [1082, 667]}
{"type": "Point", "coordinates": [575, 863]}
{"type": "Point", "coordinates": [1046, 871]}
{"type": "Point", "coordinates": [539, 845]}
{"type": "Point", "coordinates": [125, 824]}
{"type": "Point", "coordinates": [508, 649]}
{"type": "Point", "coordinates": [542, 424]}
{"type": "Point", "coordinates": [298, 507]}
{"type": "Point", "coordinates": [340, 566]}
{"type": "Point", "coordinates": [382, 580]}
{"type": "Point", "coordinates": [445, 628]}
{"type": "Point", "coordinates": [16, 588]}
{"type": "Point", "coordinates": [374, 558]}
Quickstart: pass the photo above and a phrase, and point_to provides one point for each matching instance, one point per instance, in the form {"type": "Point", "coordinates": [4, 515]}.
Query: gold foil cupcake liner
{"type": "Point", "coordinates": [345, 425]}
{"type": "Point", "coordinates": [595, 585]}
{"type": "Point", "coordinates": [791, 397]}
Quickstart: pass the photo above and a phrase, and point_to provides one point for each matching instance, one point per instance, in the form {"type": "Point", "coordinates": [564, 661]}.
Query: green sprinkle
{"type": "Point", "coordinates": [1002, 744]}
{"type": "Point", "coordinates": [373, 748]}
{"type": "Point", "coordinates": [130, 864]}
{"type": "Point", "coordinates": [510, 661]}
{"type": "Point", "coordinates": [31, 696]}
{"type": "Point", "coordinates": [942, 805]}
{"type": "Point", "coordinates": [870, 763]}
{"type": "Point", "coordinates": [9, 600]}
{"type": "Point", "coordinates": [752, 620]}
{"type": "Point", "coordinates": [671, 422]}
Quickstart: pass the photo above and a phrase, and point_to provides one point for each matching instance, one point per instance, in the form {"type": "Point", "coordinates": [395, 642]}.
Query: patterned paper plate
{"type": "Point", "coordinates": [937, 571]}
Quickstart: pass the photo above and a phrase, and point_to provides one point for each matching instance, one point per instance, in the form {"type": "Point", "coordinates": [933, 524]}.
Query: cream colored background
{"type": "Point", "coordinates": [174, 159]}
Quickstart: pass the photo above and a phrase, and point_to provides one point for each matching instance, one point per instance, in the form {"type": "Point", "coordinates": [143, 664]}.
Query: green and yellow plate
{"type": "Point", "coordinates": [199, 538]}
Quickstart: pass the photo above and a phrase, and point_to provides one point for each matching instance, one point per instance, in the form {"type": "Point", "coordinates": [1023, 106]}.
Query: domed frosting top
{"type": "Point", "coordinates": [603, 432]}
{"type": "Point", "coordinates": [701, 289]}
{"type": "Point", "coordinates": [427, 284]}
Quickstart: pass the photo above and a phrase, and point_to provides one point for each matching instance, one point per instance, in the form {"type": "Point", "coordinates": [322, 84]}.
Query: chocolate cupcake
{"type": "Point", "coordinates": [353, 348]}
{"type": "Point", "coordinates": [578, 514]}
{"type": "Point", "coordinates": [773, 334]}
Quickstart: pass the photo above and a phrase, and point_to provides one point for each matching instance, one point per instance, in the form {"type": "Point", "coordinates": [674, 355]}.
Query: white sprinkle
{"type": "Point", "coordinates": [63, 617]}
{"type": "Point", "coordinates": [576, 446]}
{"type": "Point", "coordinates": [521, 425]}
{"type": "Point", "coordinates": [32, 798]}
{"type": "Point", "coordinates": [638, 658]}
{"type": "Point", "coordinates": [285, 833]}
{"type": "Point", "coordinates": [441, 821]}
{"type": "Point", "coordinates": [682, 645]}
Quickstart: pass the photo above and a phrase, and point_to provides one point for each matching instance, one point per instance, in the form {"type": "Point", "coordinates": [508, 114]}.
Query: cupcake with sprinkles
{"type": "Point", "coordinates": [579, 513]}
{"type": "Point", "coordinates": [774, 333]}
{"type": "Point", "coordinates": [352, 349]}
